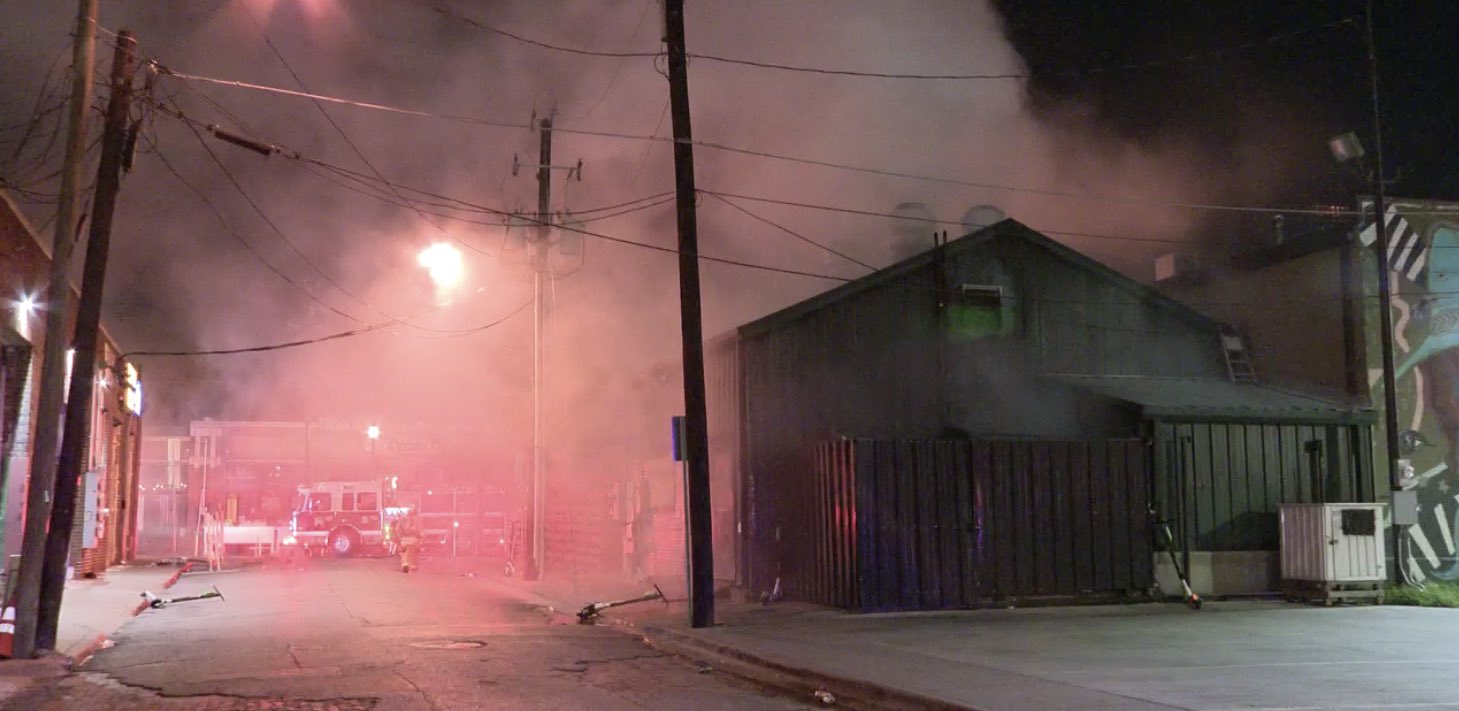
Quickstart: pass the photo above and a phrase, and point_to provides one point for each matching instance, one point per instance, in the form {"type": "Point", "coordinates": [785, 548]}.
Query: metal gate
{"type": "Point", "coordinates": [913, 525]}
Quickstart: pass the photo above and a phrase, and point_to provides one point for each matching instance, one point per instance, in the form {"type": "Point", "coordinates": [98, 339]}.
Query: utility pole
{"type": "Point", "coordinates": [88, 321]}
{"type": "Point", "coordinates": [539, 256]}
{"type": "Point", "coordinates": [53, 358]}
{"type": "Point", "coordinates": [539, 315]}
{"type": "Point", "coordinates": [1385, 289]}
{"type": "Point", "coordinates": [696, 429]}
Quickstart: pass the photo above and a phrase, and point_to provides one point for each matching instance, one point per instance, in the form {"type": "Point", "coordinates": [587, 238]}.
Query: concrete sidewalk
{"type": "Point", "coordinates": [91, 609]}
{"type": "Point", "coordinates": [1231, 655]}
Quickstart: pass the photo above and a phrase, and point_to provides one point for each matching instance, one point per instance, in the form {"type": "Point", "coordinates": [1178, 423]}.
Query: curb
{"type": "Point", "coordinates": [95, 645]}
{"type": "Point", "coordinates": [798, 681]}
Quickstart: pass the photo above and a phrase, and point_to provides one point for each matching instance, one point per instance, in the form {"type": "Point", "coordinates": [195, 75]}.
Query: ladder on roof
{"type": "Point", "coordinates": [1238, 361]}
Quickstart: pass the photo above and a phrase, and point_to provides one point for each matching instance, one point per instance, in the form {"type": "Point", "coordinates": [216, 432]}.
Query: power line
{"type": "Point", "coordinates": [771, 155]}
{"type": "Point", "coordinates": [449, 203]}
{"type": "Point", "coordinates": [893, 216]}
{"type": "Point", "coordinates": [268, 221]}
{"type": "Point", "coordinates": [530, 220]}
{"type": "Point", "coordinates": [618, 66]}
{"type": "Point", "coordinates": [337, 128]}
{"type": "Point", "coordinates": [921, 76]}
{"type": "Point", "coordinates": [538, 43]}
{"type": "Point", "coordinates": [294, 155]}
{"type": "Point", "coordinates": [251, 250]}
{"type": "Point", "coordinates": [312, 341]}
{"type": "Point", "coordinates": [1024, 190]}
{"type": "Point", "coordinates": [793, 233]}
{"type": "Point", "coordinates": [856, 73]}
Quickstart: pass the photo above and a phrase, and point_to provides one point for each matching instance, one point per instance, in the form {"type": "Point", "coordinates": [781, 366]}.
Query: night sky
{"type": "Point", "coordinates": [1149, 68]}
{"type": "Point", "coordinates": [1132, 113]}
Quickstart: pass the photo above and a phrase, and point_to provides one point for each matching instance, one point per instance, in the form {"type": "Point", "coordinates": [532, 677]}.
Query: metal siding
{"type": "Point", "coordinates": [1236, 475]}
{"type": "Point", "coordinates": [1064, 532]}
{"type": "Point", "coordinates": [1120, 539]}
{"type": "Point", "coordinates": [927, 550]}
{"type": "Point", "coordinates": [1083, 520]}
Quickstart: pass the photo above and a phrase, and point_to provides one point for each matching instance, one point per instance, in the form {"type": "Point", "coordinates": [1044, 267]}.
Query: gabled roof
{"type": "Point", "coordinates": [1004, 230]}
{"type": "Point", "coordinates": [1210, 398]}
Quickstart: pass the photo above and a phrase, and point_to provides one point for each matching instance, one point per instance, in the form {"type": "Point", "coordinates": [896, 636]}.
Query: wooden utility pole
{"type": "Point", "coordinates": [696, 428]}
{"type": "Point", "coordinates": [539, 256]}
{"type": "Point", "coordinates": [88, 322]}
{"type": "Point", "coordinates": [1385, 276]}
{"type": "Point", "coordinates": [53, 354]}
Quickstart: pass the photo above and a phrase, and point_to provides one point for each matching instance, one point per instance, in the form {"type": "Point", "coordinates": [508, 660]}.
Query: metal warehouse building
{"type": "Point", "coordinates": [1003, 418]}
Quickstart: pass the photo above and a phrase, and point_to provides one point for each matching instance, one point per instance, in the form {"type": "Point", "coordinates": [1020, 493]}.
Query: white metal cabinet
{"type": "Point", "coordinates": [1333, 551]}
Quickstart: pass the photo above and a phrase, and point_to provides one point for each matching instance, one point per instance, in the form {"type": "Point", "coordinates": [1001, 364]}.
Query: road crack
{"type": "Point", "coordinates": [424, 696]}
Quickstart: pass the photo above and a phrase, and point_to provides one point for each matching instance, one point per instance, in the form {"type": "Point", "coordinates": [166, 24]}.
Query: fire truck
{"type": "Point", "coordinates": [341, 517]}
{"type": "Point", "coordinates": [347, 518]}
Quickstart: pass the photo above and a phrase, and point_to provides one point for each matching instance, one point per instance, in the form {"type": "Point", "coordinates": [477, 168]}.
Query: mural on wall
{"type": "Point", "coordinates": [1423, 254]}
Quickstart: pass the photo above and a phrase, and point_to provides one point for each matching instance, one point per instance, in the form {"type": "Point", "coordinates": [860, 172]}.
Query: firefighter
{"type": "Point", "coordinates": [408, 536]}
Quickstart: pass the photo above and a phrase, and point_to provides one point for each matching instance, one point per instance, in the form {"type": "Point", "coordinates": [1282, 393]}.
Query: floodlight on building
{"type": "Point", "coordinates": [1346, 147]}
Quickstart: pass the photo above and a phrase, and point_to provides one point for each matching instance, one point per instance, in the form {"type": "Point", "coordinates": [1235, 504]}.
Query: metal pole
{"type": "Point", "coordinates": [88, 321]}
{"type": "Point", "coordinates": [1385, 289]}
{"type": "Point", "coordinates": [53, 358]}
{"type": "Point", "coordinates": [696, 460]}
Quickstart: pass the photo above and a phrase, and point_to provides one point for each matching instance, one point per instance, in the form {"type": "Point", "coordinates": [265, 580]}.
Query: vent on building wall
{"type": "Point", "coordinates": [985, 295]}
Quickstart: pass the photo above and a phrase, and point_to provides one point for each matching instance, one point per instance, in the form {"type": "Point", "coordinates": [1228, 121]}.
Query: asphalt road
{"type": "Point", "coordinates": [358, 634]}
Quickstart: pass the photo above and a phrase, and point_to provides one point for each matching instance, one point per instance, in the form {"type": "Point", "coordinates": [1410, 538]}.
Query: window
{"type": "Point", "coordinates": [319, 501]}
{"type": "Point", "coordinates": [347, 501]}
{"type": "Point", "coordinates": [366, 501]}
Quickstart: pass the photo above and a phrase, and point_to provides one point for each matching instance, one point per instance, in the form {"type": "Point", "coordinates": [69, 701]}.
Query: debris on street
{"type": "Point", "coordinates": [772, 595]}
{"type": "Point", "coordinates": [825, 697]}
{"type": "Point", "coordinates": [590, 611]}
{"type": "Point", "coordinates": [156, 602]}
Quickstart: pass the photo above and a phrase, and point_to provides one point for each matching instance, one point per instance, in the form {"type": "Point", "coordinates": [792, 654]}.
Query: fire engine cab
{"type": "Point", "coordinates": [340, 517]}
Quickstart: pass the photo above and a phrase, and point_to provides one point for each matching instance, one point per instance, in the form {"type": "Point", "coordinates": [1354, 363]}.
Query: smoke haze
{"type": "Point", "coordinates": [180, 280]}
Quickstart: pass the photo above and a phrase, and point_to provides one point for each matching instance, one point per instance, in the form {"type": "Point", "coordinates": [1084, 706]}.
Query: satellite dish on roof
{"type": "Point", "coordinates": [976, 218]}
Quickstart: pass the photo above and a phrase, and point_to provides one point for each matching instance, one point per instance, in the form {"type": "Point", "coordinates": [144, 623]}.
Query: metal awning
{"type": "Point", "coordinates": [1211, 398]}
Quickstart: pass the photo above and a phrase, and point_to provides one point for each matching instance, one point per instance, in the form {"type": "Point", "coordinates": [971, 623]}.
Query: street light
{"type": "Point", "coordinates": [373, 432]}
{"type": "Point", "coordinates": [443, 261]}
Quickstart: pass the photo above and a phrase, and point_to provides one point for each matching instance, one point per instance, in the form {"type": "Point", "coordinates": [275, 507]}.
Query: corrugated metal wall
{"type": "Point", "coordinates": [1223, 482]}
{"type": "Point", "coordinates": [912, 525]}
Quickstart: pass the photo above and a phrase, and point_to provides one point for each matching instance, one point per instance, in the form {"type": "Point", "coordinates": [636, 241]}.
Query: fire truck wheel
{"type": "Point", "coordinates": [343, 542]}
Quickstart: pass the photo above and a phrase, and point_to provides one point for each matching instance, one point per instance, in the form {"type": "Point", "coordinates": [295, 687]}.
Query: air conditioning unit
{"type": "Point", "coordinates": [1333, 552]}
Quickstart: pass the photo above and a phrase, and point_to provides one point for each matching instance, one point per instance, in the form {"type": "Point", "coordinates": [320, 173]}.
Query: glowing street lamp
{"type": "Point", "coordinates": [443, 261]}
{"type": "Point", "coordinates": [373, 432]}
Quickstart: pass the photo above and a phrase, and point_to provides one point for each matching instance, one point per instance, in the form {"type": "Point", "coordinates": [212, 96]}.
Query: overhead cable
{"type": "Point", "coordinates": [793, 233]}
{"type": "Point", "coordinates": [312, 341]}
{"type": "Point", "coordinates": [771, 155]}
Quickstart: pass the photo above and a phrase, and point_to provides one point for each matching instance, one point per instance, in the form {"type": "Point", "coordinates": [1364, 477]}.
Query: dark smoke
{"type": "Point", "coordinates": [1245, 92]}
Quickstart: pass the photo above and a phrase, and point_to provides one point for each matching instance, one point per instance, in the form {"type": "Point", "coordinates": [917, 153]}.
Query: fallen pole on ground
{"type": "Point", "coordinates": [591, 610]}
{"type": "Point", "coordinates": [156, 602]}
